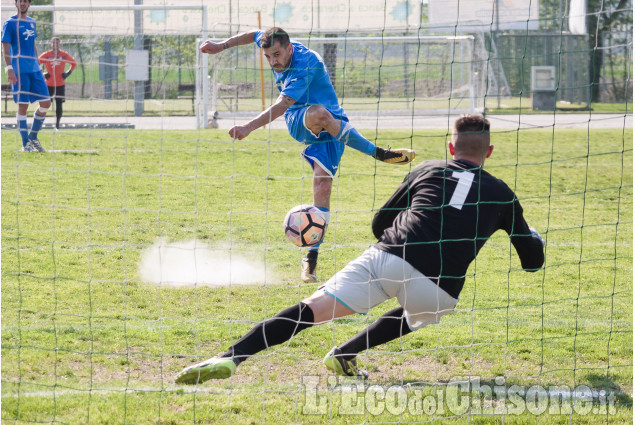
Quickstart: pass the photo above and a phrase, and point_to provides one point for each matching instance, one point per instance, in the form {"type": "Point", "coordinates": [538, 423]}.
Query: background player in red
{"type": "Point", "coordinates": [55, 61]}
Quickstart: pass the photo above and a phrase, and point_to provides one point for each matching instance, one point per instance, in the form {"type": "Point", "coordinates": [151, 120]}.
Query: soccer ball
{"type": "Point", "coordinates": [304, 225]}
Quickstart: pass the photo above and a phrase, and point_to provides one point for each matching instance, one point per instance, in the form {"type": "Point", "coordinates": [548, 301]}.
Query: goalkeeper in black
{"type": "Point", "coordinates": [428, 232]}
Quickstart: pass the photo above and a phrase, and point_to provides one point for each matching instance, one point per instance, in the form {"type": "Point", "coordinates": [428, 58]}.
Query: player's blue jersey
{"type": "Point", "coordinates": [306, 80]}
{"type": "Point", "coordinates": [22, 41]}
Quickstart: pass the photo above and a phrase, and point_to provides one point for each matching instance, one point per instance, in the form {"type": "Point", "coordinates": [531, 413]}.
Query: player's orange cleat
{"type": "Point", "coordinates": [395, 156]}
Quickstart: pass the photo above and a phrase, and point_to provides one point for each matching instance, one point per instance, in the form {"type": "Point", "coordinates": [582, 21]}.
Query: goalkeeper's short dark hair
{"type": "Point", "coordinates": [472, 124]}
{"type": "Point", "coordinates": [273, 35]}
{"type": "Point", "coordinates": [471, 136]}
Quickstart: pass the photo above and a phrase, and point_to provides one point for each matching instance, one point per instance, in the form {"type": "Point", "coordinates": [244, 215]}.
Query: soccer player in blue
{"type": "Point", "coordinates": [24, 74]}
{"type": "Point", "coordinates": [312, 113]}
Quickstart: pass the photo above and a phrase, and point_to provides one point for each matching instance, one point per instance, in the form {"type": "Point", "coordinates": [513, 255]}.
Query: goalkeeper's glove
{"type": "Point", "coordinates": [47, 75]}
{"type": "Point", "coordinates": [535, 233]}
{"type": "Point", "coordinates": [66, 74]}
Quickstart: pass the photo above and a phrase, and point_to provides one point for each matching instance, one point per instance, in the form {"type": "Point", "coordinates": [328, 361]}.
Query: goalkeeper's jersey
{"type": "Point", "coordinates": [306, 80]}
{"type": "Point", "coordinates": [55, 65]}
{"type": "Point", "coordinates": [442, 215]}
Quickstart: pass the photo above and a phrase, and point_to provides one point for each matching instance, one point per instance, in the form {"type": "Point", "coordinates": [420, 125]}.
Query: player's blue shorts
{"type": "Point", "coordinates": [323, 149]}
{"type": "Point", "coordinates": [30, 88]}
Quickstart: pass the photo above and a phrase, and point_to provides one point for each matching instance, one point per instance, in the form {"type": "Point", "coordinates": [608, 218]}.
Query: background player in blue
{"type": "Point", "coordinates": [24, 74]}
{"type": "Point", "coordinates": [312, 113]}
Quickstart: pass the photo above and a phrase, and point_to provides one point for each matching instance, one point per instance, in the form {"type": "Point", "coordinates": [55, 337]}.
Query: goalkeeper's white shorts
{"type": "Point", "coordinates": [377, 276]}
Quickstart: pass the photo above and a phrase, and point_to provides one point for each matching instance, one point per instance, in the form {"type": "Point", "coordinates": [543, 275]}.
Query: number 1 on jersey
{"type": "Point", "coordinates": [462, 188]}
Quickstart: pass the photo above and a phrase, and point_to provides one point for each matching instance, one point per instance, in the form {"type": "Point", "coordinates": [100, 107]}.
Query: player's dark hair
{"type": "Point", "coordinates": [471, 136]}
{"type": "Point", "coordinates": [273, 35]}
{"type": "Point", "coordinates": [472, 124]}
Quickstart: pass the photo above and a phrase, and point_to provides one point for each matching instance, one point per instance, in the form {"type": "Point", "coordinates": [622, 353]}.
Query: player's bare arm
{"type": "Point", "coordinates": [6, 54]}
{"type": "Point", "coordinates": [265, 117]}
{"type": "Point", "coordinates": [214, 47]}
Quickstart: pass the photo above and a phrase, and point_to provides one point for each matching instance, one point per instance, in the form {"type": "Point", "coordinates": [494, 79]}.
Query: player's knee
{"type": "Point", "coordinates": [325, 307]}
{"type": "Point", "coordinates": [318, 116]}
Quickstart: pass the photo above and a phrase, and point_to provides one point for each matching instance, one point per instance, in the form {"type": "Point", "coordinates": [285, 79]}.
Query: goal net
{"type": "Point", "coordinates": [146, 239]}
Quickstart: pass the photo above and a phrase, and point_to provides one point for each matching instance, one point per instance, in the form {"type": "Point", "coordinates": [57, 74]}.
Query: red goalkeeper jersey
{"type": "Point", "coordinates": [55, 65]}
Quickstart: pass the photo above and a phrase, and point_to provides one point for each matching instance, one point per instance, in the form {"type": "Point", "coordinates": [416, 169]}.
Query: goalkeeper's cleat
{"type": "Point", "coordinates": [308, 269]}
{"type": "Point", "coordinates": [36, 144]}
{"type": "Point", "coordinates": [214, 368]}
{"type": "Point", "coordinates": [338, 365]}
{"type": "Point", "coordinates": [395, 156]}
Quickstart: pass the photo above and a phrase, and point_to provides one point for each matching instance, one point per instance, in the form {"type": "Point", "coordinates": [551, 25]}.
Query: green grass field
{"type": "Point", "coordinates": [86, 341]}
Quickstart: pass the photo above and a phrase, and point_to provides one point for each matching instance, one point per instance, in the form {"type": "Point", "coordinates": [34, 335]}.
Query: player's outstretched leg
{"type": "Point", "coordinates": [336, 363]}
{"type": "Point", "coordinates": [353, 138]}
{"type": "Point", "coordinates": [390, 326]}
{"type": "Point", "coordinates": [214, 368]}
{"type": "Point", "coordinates": [395, 156]}
{"type": "Point", "coordinates": [318, 118]}
{"type": "Point", "coordinates": [273, 331]}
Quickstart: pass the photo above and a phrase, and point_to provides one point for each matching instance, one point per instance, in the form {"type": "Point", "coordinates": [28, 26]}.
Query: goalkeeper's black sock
{"type": "Point", "coordinates": [276, 330]}
{"type": "Point", "coordinates": [58, 112]}
{"type": "Point", "coordinates": [391, 325]}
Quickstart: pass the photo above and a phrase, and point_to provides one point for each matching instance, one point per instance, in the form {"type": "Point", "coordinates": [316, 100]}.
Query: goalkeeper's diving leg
{"type": "Point", "coordinates": [276, 330]}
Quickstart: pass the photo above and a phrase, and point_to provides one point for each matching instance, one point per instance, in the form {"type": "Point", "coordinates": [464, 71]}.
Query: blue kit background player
{"type": "Point", "coordinates": [23, 71]}
{"type": "Point", "coordinates": [312, 113]}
